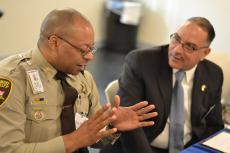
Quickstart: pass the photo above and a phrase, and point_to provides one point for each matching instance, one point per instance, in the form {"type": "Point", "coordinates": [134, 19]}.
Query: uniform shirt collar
{"type": "Point", "coordinates": [43, 64]}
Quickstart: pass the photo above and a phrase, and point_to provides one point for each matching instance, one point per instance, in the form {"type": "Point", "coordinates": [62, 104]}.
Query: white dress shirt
{"type": "Point", "coordinates": [162, 140]}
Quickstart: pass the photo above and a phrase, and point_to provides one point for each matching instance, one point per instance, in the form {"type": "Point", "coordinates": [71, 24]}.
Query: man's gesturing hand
{"type": "Point", "coordinates": [91, 130]}
{"type": "Point", "coordinates": [132, 117]}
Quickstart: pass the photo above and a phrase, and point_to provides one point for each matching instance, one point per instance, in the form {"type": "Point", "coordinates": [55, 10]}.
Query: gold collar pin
{"type": "Point", "coordinates": [203, 88]}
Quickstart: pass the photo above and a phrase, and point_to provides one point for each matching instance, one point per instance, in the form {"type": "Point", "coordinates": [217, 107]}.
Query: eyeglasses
{"type": "Point", "coordinates": [82, 51]}
{"type": "Point", "coordinates": [188, 47]}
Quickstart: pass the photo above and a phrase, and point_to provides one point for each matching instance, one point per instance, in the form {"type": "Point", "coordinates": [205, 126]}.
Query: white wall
{"type": "Point", "coordinates": [162, 17]}
{"type": "Point", "coordinates": [19, 27]}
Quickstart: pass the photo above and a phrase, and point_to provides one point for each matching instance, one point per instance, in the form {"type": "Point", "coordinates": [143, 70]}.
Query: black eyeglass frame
{"type": "Point", "coordinates": [83, 52]}
{"type": "Point", "coordinates": [188, 47]}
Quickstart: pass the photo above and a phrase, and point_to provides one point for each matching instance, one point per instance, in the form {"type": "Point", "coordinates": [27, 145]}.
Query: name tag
{"type": "Point", "coordinates": [35, 81]}
{"type": "Point", "coordinates": [79, 119]}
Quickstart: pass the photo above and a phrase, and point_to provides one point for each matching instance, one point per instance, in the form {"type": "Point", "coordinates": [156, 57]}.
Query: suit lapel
{"type": "Point", "coordinates": [198, 92]}
{"type": "Point", "coordinates": [165, 83]}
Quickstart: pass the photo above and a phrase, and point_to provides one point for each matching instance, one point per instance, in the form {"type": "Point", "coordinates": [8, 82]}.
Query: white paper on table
{"type": "Point", "coordinates": [221, 141]}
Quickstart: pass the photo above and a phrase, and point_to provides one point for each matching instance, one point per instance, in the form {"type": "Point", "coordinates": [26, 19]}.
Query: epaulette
{"type": "Point", "coordinates": [25, 57]}
{"type": "Point", "coordinates": [9, 64]}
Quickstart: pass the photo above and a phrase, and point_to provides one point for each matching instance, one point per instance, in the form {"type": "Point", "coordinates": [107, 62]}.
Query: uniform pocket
{"type": "Point", "coordinates": [42, 123]}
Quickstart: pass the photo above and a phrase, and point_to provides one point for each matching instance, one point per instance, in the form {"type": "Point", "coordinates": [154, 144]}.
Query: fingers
{"type": "Point", "coordinates": [103, 117]}
{"type": "Point", "coordinates": [101, 124]}
{"type": "Point", "coordinates": [145, 109]}
{"type": "Point", "coordinates": [103, 120]}
{"type": "Point", "coordinates": [116, 102]}
{"type": "Point", "coordinates": [101, 111]}
{"type": "Point", "coordinates": [146, 123]}
{"type": "Point", "coordinates": [147, 116]}
{"type": "Point", "coordinates": [106, 133]}
{"type": "Point", "coordinates": [91, 130]}
{"type": "Point", "coordinates": [138, 105]}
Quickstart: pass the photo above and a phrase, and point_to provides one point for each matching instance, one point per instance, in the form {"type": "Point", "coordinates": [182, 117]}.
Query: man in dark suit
{"type": "Point", "coordinates": [149, 74]}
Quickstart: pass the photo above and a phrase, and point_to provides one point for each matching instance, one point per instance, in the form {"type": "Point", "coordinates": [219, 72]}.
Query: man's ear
{"type": "Point", "coordinates": [53, 41]}
{"type": "Point", "coordinates": [204, 53]}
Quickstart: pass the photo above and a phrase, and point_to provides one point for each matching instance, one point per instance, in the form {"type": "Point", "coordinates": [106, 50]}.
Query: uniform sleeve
{"type": "Point", "coordinates": [55, 145]}
{"type": "Point", "coordinates": [13, 120]}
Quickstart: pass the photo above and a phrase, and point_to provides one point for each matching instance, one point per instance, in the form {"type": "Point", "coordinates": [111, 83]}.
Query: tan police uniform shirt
{"type": "Point", "coordinates": [31, 100]}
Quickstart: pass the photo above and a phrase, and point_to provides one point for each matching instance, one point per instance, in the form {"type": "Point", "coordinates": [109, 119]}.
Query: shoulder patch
{"type": "Point", "coordinates": [5, 89]}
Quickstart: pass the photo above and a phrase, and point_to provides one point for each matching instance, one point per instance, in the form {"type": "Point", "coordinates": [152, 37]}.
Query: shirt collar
{"type": "Point", "coordinates": [189, 74]}
{"type": "Point", "coordinates": [43, 64]}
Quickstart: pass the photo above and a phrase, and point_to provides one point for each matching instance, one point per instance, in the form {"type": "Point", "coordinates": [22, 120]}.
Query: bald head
{"type": "Point", "coordinates": [61, 22]}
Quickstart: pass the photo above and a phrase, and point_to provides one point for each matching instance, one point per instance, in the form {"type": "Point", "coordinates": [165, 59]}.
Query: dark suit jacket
{"type": "Point", "coordinates": [148, 76]}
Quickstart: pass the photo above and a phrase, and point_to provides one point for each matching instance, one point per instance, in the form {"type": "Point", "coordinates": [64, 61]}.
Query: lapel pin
{"type": "Point", "coordinates": [203, 87]}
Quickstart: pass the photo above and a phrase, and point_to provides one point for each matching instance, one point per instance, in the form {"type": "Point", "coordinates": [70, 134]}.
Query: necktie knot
{"type": "Point", "coordinates": [180, 75]}
{"type": "Point", "coordinates": [60, 76]}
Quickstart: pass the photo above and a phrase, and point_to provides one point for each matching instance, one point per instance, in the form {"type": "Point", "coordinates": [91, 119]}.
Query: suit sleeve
{"type": "Point", "coordinates": [131, 91]}
{"type": "Point", "coordinates": [131, 84]}
{"type": "Point", "coordinates": [135, 142]}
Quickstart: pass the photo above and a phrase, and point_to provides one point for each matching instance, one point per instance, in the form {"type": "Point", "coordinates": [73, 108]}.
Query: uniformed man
{"type": "Point", "coordinates": [31, 97]}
